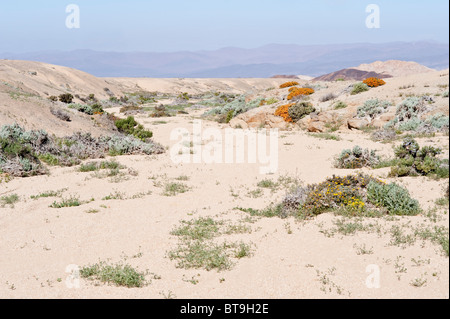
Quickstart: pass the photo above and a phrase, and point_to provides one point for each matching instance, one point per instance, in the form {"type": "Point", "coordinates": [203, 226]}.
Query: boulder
{"type": "Point", "coordinates": [316, 127]}
{"type": "Point", "coordinates": [378, 123]}
{"type": "Point", "coordinates": [325, 117]}
{"type": "Point", "coordinates": [386, 117]}
{"type": "Point", "coordinates": [356, 123]}
{"type": "Point", "coordinates": [238, 123]}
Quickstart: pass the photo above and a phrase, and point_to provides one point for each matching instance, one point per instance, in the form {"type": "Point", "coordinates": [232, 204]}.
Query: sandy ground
{"type": "Point", "coordinates": [289, 258]}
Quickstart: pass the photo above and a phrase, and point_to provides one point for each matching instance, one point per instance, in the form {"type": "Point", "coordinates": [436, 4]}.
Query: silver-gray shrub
{"type": "Point", "coordinates": [373, 108]}
{"type": "Point", "coordinates": [238, 106]}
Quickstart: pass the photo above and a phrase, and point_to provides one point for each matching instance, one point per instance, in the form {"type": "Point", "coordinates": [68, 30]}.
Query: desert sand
{"type": "Point", "coordinates": [289, 258]}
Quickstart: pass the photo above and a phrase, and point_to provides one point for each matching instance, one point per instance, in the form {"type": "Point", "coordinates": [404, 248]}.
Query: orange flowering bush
{"type": "Point", "coordinates": [374, 82]}
{"type": "Point", "coordinates": [283, 112]}
{"type": "Point", "coordinates": [294, 92]}
{"type": "Point", "coordinates": [288, 84]}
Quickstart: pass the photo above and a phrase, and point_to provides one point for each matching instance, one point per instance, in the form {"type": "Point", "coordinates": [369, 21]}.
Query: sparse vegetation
{"type": "Point", "coordinates": [118, 274]}
{"type": "Point", "coordinates": [175, 188]}
{"type": "Point", "coordinates": [21, 151]}
{"type": "Point", "coordinates": [339, 105]}
{"type": "Point", "coordinates": [9, 200]}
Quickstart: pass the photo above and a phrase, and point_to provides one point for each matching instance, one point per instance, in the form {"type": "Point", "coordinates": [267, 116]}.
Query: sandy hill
{"type": "Point", "coordinates": [379, 69]}
{"type": "Point", "coordinates": [395, 67]}
{"type": "Point", "coordinates": [350, 74]}
{"type": "Point", "coordinates": [25, 87]}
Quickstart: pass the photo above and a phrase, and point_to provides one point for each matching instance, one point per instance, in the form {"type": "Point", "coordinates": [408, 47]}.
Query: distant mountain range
{"type": "Point", "coordinates": [262, 62]}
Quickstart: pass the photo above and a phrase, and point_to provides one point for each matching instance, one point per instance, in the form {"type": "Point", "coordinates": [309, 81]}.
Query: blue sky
{"type": "Point", "coordinates": [175, 25]}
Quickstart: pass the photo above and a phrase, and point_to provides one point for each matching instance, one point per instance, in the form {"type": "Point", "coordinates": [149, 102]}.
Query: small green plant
{"type": "Point", "coordinates": [326, 136]}
{"type": "Point", "coordinates": [339, 105]}
{"type": "Point", "coordinates": [359, 88]}
{"type": "Point", "coordinates": [9, 200]}
{"type": "Point", "coordinates": [242, 250]}
{"type": "Point", "coordinates": [72, 201]}
{"type": "Point", "coordinates": [174, 188]}
{"type": "Point", "coordinates": [202, 254]}
{"type": "Point", "coordinates": [95, 166]}
{"type": "Point", "coordinates": [118, 274]}
{"type": "Point", "coordinates": [267, 183]}
{"type": "Point", "coordinates": [49, 194]}
{"type": "Point", "coordinates": [198, 229]}
{"type": "Point", "coordinates": [115, 195]}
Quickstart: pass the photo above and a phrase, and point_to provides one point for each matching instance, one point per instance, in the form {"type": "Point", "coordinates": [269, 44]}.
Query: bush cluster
{"type": "Point", "coordinates": [357, 158]}
{"type": "Point", "coordinates": [237, 106]}
{"type": "Point", "coordinates": [355, 193]}
{"type": "Point", "coordinates": [413, 160]}
{"type": "Point", "coordinates": [22, 152]}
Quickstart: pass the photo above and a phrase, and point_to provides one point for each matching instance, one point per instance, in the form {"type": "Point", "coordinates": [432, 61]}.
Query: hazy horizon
{"type": "Point", "coordinates": [200, 25]}
{"type": "Point", "coordinates": [227, 47]}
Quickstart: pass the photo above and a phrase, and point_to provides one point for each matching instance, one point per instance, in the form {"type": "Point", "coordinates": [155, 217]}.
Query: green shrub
{"type": "Point", "coordinates": [66, 98]}
{"type": "Point", "coordinates": [129, 126]}
{"type": "Point", "coordinates": [229, 116]}
{"type": "Point", "coordinates": [359, 88]}
{"type": "Point", "coordinates": [339, 105]}
{"type": "Point", "coordinates": [393, 197]}
{"type": "Point", "coordinates": [300, 110]}
{"type": "Point", "coordinates": [414, 161]}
